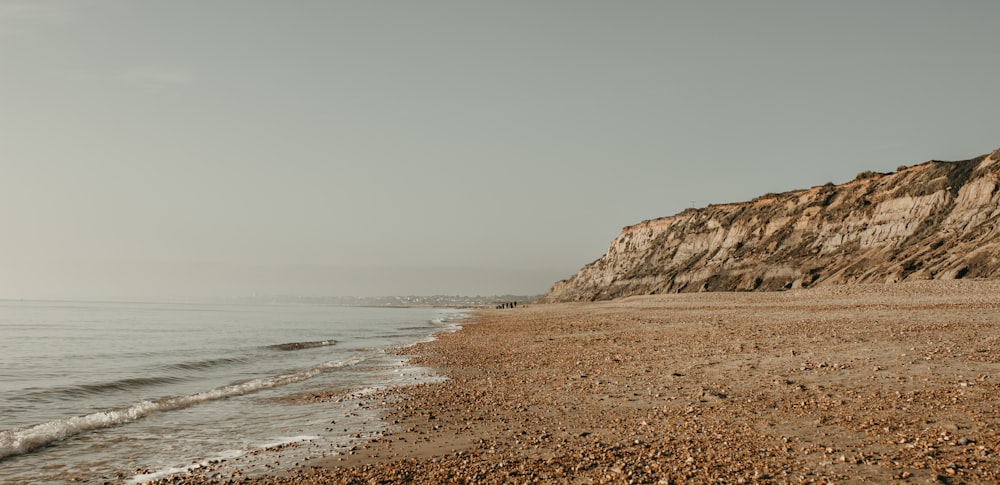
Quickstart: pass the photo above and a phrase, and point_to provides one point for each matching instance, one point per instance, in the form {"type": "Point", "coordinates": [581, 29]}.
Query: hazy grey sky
{"type": "Point", "coordinates": [192, 148]}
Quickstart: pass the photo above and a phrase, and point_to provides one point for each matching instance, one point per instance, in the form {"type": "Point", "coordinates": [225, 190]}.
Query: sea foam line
{"type": "Point", "coordinates": [166, 472]}
{"type": "Point", "coordinates": [26, 439]}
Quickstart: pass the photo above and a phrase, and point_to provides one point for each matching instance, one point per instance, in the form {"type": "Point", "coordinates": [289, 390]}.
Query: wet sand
{"type": "Point", "coordinates": [870, 383]}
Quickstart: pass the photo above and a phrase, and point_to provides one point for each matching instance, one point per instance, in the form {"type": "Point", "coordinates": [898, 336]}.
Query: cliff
{"type": "Point", "coordinates": [936, 220]}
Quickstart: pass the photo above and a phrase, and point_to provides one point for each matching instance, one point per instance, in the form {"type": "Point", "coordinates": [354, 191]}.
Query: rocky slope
{"type": "Point", "coordinates": [936, 220]}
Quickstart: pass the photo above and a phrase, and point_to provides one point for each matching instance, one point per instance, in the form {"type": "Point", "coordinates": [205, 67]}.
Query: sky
{"type": "Point", "coordinates": [192, 149]}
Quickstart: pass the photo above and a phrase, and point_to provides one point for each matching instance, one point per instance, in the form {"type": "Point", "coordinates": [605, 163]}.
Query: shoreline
{"type": "Point", "coordinates": [853, 383]}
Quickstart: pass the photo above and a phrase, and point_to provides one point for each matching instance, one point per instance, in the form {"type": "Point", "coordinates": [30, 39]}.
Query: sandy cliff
{"type": "Point", "coordinates": [936, 220]}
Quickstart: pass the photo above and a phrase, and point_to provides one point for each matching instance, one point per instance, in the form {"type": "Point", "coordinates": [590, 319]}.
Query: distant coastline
{"type": "Point", "coordinates": [410, 301]}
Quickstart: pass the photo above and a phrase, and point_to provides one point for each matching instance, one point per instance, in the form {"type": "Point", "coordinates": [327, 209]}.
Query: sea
{"type": "Point", "coordinates": [114, 392]}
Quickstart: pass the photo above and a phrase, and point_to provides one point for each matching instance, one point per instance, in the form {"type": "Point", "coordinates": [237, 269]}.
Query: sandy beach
{"type": "Point", "coordinates": [871, 383]}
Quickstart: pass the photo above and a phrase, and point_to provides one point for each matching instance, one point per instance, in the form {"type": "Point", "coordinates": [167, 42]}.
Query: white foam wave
{"type": "Point", "coordinates": [224, 456]}
{"type": "Point", "coordinates": [449, 323]}
{"type": "Point", "coordinates": [166, 472]}
{"type": "Point", "coordinates": [447, 319]}
{"type": "Point", "coordinates": [23, 440]}
{"type": "Point", "coordinates": [286, 441]}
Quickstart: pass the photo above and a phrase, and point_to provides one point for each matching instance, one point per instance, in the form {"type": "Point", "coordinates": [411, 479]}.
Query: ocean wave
{"type": "Point", "coordinates": [82, 390]}
{"type": "Point", "coordinates": [166, 472]}
{"type": "Point", "coordinates": [206, 364]}
{"type": "Point", "coordinates": [126, 384]}
{"type": "Point", "coordinates": [449, 319]}
{"type": "Point", "coordinates": [303, 345]}
{"type": "Point", "coordinates": [450, 322]}
{"type": "Point", "coordinates": [26, 439]}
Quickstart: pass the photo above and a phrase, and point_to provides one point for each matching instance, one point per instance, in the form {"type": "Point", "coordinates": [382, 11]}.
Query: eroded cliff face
{"type": "Point", "coordinates": [934, 220]}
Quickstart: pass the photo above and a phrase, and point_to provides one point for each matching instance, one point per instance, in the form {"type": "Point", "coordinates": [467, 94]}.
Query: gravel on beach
{"type": "Point", "coordinates": [867, 383]}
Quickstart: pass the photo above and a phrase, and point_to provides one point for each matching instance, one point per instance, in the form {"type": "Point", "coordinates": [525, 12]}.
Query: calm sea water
{"type": "Point", "coordinates": [129, 392]}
